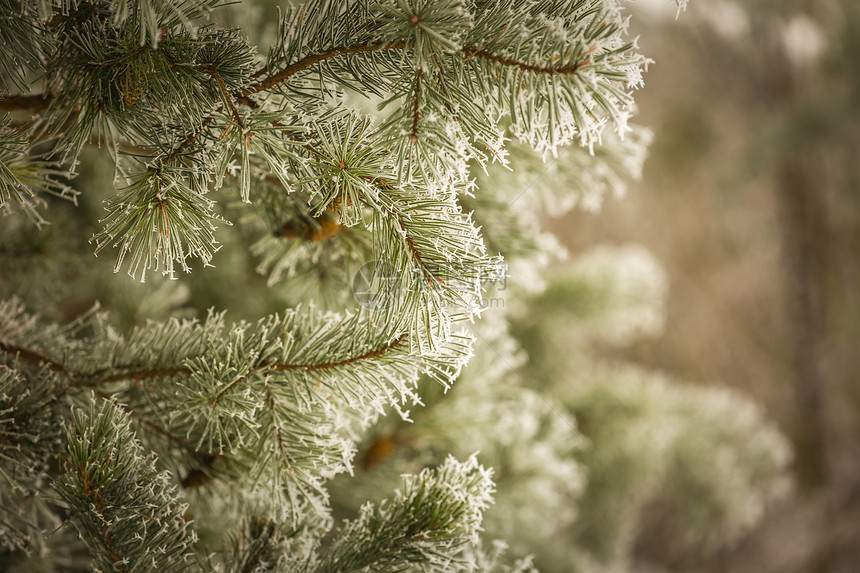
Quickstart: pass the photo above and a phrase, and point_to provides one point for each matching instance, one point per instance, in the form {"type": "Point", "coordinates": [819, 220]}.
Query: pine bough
{"type": "Point", "coordinates": [268, 411]}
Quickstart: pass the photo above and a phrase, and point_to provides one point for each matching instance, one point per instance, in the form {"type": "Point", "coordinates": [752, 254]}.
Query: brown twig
{"type": "Point", "coordinates": [150, 424]}
{"type": "Point", "coordinates": [129, 373]}
{"type": "Point", "coordinates": [137, 51]}
{"type": "Point", "coordinates": [228, 99]}
{"type": "Point", "coordinates": [312, 59]}
{"type": "Point", "coordinates": [416, 108]}
{"type": "Point", "coordinates": [369, 355]}
{"type": "Point", "coordinates": [138, 375]}
{"type": "Point", "coordinates": [188, 141]}
{"type": "Point", "coordinates": [279, 434]}
{"type": "Point", "coordinates": [311, 367]}
{"type": "Point", "coordinates": [416, 254]}
{"type": "Point", "coordinates": [118, 563]}
{"type": "Point", "coordinates": [474, 52]}
{"type": "Point", "coordinates": [32, 356]}
{"type": "Point", "coordinates": [33, 103]}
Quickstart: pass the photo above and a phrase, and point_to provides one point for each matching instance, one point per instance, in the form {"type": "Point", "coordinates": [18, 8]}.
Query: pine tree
{"type": "Point", "coordinates": [373, 162]}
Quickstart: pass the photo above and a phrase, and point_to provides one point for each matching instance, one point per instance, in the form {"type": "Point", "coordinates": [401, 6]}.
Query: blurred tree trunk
{"type": "Point", "coordinates": [799, 188]}
{"type": "Point", "coordinates": [805, 259]}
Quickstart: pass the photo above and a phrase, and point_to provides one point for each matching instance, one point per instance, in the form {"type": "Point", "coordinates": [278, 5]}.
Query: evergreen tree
{"type": "Point", "coordinates": [374, 162]}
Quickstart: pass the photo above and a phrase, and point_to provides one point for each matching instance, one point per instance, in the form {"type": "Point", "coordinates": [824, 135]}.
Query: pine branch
{"type": "Point", "coordinates": [433, 34]}
{"type": "Point", "coordinates": [129, 373]}
{"type": "Point", "coordinates": [271, 403]}
{"type": "Point", "coordinates": [416, 110]}
{"type": "Point", "coordinates": [149, 424]}
{"type": "Point", "coordinates": [113, 493]}
{"type": "Point", "coordinates": [34, 103]}
{"type": "Point", "coordinates": [228, 99]}
{"type": "Point", "coordinates": [262, 547]}
{"type": "Point", "coordinates": [37, 358]}
{"type": "Point", "coordinates": [381, 194]}
{"type": "Point", "coordinates": [241, 96]}
{"type": "Point", "coordinates": [566, 70]}
{"type": "Point", "coordinates": [30, 439]}
{"type": "Point", "coordinates": [123, 58]}
{"type": "Point", "coordinates": [320, 367]}
{"type": "Point", "coordinates": [369, 355]}
{"type": "Point", "coordinates": [427, 523]}
{"type": "Point", "coordinates": [298, 379]}
{"type": "Point", "coordinates": [262, 543]}
{"type": "Point", "coordinates": [470, 51]}
{"type": "Point", "coordinates": [93, 380]}
{"type": "Point", "coordinates": [186, 144]}
{"type": "Point", "coordinates": [107, 538]}
{"type": "Point", "coordinates": [32, 356]}
{"type": "Point", "coordinates": [283, 75]}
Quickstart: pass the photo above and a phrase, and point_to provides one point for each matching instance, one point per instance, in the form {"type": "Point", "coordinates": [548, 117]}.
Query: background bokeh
{"type": "Point", "coordinates": [750, 200]}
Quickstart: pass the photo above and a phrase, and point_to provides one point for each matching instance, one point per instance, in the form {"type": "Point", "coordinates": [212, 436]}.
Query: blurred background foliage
{"type": "Point", "coordinates": [750, 199]}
